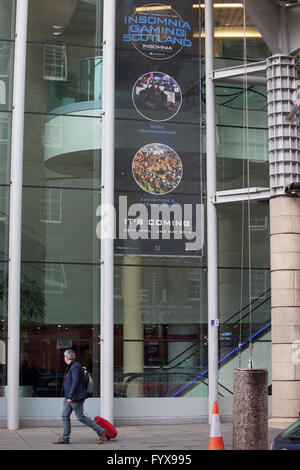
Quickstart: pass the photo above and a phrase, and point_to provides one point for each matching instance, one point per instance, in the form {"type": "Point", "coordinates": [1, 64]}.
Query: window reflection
{"type": "Point", "coordinates": [7, 10]}
{"type": "Point", "coordinates": [71, 22]}
{"type": "Point", "coordinates": [4, 211]}
{"type": "Point", "coordinates": [61, 151]}
{"type": "Point", "coordinates": [42, 366]}
{"type": "Point", "coordinates": [5, 129]}
{"type": "Point", "coordinates": [3, 326]}
{"type": "Point", "coordinates": [170, 362]}
{"type": "Point", "coordinates": [6, 73]}
{"type": "Point", "coordinates": [231, 136]}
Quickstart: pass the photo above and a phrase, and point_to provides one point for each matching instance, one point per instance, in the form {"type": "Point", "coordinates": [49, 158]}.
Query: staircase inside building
{"type": "Point", "coordinates": [243, 329]}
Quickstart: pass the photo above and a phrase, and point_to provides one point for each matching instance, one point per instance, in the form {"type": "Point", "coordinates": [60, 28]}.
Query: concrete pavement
{"type": "Point", "coordinates": [185, 437]}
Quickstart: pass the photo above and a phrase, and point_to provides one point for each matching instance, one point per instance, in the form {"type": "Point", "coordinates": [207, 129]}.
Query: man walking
{"type": "Point", "coordinates": [75, 393]}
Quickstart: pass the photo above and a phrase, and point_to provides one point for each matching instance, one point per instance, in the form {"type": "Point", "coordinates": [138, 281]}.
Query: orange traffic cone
{"type": "Point", "coordinates": [216, 438]}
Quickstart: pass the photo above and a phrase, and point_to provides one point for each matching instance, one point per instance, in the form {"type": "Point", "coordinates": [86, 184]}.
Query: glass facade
{"type": "Point", "coordinates": [61, 176]}
{"type": "Point", "coordinates": [7, 17]}
{"type": "Point", "coordinates": [243, 228]}
{"type": "Point", "coordinates": [160, 302]}
{"type": "Point", "coordinates": [232, 152]}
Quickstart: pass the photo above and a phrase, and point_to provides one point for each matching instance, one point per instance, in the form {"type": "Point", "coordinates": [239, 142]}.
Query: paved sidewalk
{"type": "Point", "coordinates": [185, 437]}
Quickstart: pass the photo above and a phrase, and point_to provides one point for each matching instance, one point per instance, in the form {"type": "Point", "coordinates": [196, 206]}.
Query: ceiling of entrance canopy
{"type": "Point", "coordinates": [229, 18]}
{"type": "Point", "coordinates": [62, 20]}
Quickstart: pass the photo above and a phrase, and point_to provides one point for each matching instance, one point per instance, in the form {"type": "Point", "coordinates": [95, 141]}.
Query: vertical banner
{"type": "Point", "coordinates": [158, 159]}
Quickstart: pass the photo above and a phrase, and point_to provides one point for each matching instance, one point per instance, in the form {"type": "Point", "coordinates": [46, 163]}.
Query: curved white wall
{"type": "Point", "coordinates": [66, 134]}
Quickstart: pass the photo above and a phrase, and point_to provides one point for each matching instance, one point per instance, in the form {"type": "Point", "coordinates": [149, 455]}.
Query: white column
{"type": "Point", "coordinates": [15, 220]}
{"type": "Point", "coordinates": [212, 240]}
{"type": "Point", "coordinates": [107, 200]}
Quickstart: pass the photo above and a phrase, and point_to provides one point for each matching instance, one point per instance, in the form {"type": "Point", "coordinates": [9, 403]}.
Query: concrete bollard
{"type": "Point", "coordinates": [250, 409]}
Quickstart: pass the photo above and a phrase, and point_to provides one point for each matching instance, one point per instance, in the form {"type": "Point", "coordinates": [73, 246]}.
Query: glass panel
{"type": "Point", "coordinates": [66, 22]}
{"type": "Point", "coordinates": [6, 74]}
{"type": "Point", "coordinates": [42, 365]}
{"type": "Point", "coordinates": [59, 294]}
{"type": "Point", "coordinates": [231, 50]}
{"type": "Point", "coordinates": [60, 306]}
{"type": "Point", "coordinates": [172, 367]}
{"type": "Point", "coordinates": [234, 233]}
{"type": "Point", "coordinates": [67, 80]}
{"type": "Point", "coordinates": [230, 34]}
{"type": "Point", "coordinates": [237, 143]}
{"type": "Point", "coordinates": [160, 330]}
{"type": "Point", "coordinates": [244, 294]}
{"type": "Point", "coordinates": [62, 151]}
{"type": "Point", "coordinates": [7, 16]}
{"type": "Point", "coordinates": [60, 225]}
{"type": "Point", "coordinates": [83, 84]}
{"type": "Point", "coordinates": [233, 308]}
{"type": "Point", "coordinates": [3, 326]}
{"type": "Point", "coordinates": [232, 173]}
{"type": "Point", "coordinates": [230, 106]}
{"type": "Point", "coordinates": [242, 321]}
{"type": "Point", "coordinates": [5, 134]}
{"type": "Point", "coordinates": [4, 220]}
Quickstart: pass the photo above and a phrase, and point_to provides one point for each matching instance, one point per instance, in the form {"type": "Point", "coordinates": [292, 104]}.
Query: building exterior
{"type": "Point", "coordinates": [165, 341]}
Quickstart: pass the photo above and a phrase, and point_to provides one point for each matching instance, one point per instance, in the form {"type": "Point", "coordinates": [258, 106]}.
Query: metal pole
{"type": "Point", "coordinates": [15, 220]}
{"type": "Point", "coordinates": [107, 199]}
{"type": "Point", "coordinates": [212, 241]}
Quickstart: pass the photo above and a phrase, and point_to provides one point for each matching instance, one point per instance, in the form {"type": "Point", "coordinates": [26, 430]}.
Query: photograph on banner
{"type": "Point", "coordinates": [157, 169]}
{"type": "Point", "coordinates": [168, 151]}
{"type": "Point", "coordinates": [157, 96]}
{"type": "Point", "coordinates": [172, 97]}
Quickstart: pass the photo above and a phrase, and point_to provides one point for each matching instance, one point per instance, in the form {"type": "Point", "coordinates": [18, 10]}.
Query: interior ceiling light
{"type": "Point", "coordinates": [196, 5]}
{"type": "Point", "coordinates": [227, 33]}
{"type": "Point", "coordinates": [161, 7]}
{"type": "Point", "coordinates": [221, 5]}
{"type": "Point", "coordinates": [57, 29]}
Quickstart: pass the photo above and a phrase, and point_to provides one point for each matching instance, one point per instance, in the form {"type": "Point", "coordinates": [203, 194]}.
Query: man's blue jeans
{"type": "Point", "coordinates": [77, 407]}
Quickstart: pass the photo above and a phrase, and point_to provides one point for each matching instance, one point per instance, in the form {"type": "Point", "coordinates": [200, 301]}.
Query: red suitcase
{"type": "Point", "coordinates": [111, 431]}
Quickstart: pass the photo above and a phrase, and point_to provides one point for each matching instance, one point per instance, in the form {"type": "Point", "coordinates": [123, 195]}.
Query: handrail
{"type": "Point", "coordinates": [179, 355]}
{"type": "Point", "coordinates": [227, 321]}
{"type": "Point", "coordinates": [203, 375]}
{"type": "Point", "coordinates": [220, 361]}
{"type": "Point", "coordinates": [199, 377]}
{"type": "Point", "coordinates": [247, 306]}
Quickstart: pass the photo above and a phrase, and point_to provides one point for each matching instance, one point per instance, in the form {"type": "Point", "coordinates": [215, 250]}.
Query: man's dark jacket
{"type": "Point", "coordinates": [74, 384]}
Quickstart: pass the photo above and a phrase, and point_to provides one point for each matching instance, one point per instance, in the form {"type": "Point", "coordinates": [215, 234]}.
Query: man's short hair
{"type": "Point", "coordinates": [70, 354]}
